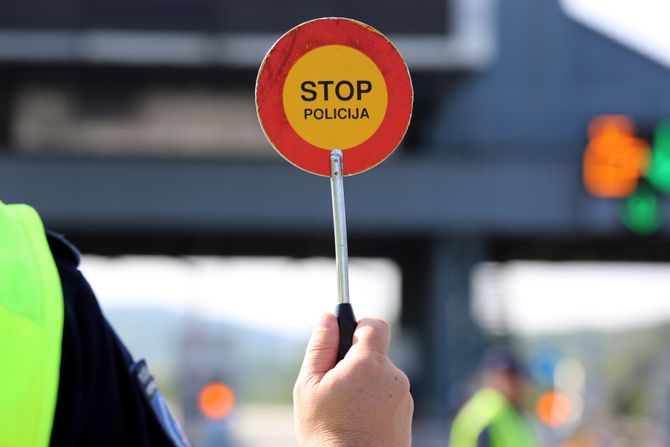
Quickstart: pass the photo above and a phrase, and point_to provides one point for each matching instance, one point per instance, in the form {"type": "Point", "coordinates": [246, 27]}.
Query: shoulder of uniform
{"type": "Point", "coordinates": [62, 248]}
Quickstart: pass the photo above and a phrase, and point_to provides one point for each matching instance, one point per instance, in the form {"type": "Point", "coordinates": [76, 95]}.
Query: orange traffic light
{"type": "Point", "coordinates": [615, 158]}
{"type": "Point", "coordinates": [216, 400]}
{"type": "Point", "coordinates": [554, 408]}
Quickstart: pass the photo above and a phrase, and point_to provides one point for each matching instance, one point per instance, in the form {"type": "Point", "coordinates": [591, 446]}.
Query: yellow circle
{"type": "Point", "coordinates": [335, 97]}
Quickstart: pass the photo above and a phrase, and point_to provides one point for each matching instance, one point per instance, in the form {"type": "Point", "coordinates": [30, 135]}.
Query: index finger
{"type": "Point", "coordinates": [373, 334]}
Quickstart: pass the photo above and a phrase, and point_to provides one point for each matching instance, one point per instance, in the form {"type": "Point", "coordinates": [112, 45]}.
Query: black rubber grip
{"type": "Point", "coordinates": [347, 323]}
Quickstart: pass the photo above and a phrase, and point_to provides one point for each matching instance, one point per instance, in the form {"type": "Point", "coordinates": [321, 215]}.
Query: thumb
{"type": "Point", "coordinates": [321, 353]}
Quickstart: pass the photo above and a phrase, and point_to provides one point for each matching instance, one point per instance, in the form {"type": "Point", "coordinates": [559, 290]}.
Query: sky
{"type": "Point", "coordinates": [544, 297]}
{"type": "Point", "coordinates": [641, 24]}
{"type": "Point", "coordinates": [281, 295]}
{"type": "Point", "coordinates": [287, 296]}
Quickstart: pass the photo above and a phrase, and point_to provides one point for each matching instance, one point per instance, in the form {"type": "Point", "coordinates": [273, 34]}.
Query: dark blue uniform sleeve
{"type": "Point", "coordinates": [99, 400]}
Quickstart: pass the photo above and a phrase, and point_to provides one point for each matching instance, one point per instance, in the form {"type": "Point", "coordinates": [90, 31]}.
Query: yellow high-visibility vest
{"type": "Point", "coordinates": [489, 410]}
{"type": "Point", "coordinates": [31, 328]}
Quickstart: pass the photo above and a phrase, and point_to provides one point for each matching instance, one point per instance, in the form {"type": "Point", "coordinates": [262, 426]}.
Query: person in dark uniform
{"type": "Point", "coordinates": [104, 397]}
{"type": "Point", "coordinates": [68, 380]}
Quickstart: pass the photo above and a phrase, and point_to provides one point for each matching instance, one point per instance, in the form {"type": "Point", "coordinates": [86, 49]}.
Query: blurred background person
{"type": "Point", "coordinates": [493, 416]}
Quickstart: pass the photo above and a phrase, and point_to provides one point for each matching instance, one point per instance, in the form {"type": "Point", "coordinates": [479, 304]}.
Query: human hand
{"type": "Point", "coordinates": [363, 400]}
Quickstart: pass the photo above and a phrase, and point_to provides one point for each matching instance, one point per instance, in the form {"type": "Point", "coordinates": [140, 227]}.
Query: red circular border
{"type": "Point", "coordinates": [333, 31]}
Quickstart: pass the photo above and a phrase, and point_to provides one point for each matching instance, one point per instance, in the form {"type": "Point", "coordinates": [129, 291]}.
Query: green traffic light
{"type": "Point", "coordinates": [659, 170]}
{"type": "Point", "coordinates": [641, 212]}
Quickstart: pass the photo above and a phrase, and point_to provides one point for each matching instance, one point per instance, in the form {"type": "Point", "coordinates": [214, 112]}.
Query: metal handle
{"type": "Point", "coordinates": [340, 225]}
{"type": "Point", "coordinates": [344, 312]}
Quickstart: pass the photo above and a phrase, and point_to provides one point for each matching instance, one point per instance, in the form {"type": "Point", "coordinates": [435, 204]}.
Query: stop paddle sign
{"type": "Point", "coordinates": [334, 83]}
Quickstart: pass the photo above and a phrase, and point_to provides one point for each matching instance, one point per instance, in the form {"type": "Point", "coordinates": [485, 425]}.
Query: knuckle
{"type": "Point", "coordinates": [369, 364]}
{"type": "Point", "coordinates": [302, 387]}
{"type": "Point", "coordinates": [316, 350]}
{"type": "Point", "coordinates": [297, 390]}
{"type": "Point", "coordinates": [410, 405]}
{"type": "Point", "coordinates": [361, 364]}
{"type": "Point", "coordinates": [373, 333]}
{"type": "Point", "coordinates": [378, 325]}
{"type": "Point", "coordinates": [403, 381]}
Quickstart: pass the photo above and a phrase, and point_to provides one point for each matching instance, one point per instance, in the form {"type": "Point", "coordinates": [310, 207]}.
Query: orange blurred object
{"type": "Point", "coordinates": [615, 158]}
{"type": "Point", "coordinates": [553, 408]}
{"type": "Point", "coordinates": [216, 400]}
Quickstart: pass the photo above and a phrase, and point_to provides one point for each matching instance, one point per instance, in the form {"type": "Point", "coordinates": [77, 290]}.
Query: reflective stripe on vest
{"type": "Point", "coordinates": [31, 327]}
{"type": "Point", "coordinates": [488, 409]}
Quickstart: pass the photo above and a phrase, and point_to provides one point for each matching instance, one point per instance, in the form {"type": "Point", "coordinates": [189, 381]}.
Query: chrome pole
{"type": "Point", "coordinates": [340, 225]}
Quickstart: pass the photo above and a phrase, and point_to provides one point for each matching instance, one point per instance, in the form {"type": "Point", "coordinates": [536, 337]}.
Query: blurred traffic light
{"type": "Point", "coordinates": [617, 164]}
{"type": "Point", "coordinates": [659, 171]}
{"type": "Point", "coordinates": [216, 400]}
{"type": "Point", "coordinates": [615, 158]}
{"type": "Point", "coordinates": [554, 408]}
{"type": "Point", "coordinates": [641, 212]}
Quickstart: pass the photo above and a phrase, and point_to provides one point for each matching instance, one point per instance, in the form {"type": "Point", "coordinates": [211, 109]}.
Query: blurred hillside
{"type": "Point", "coordinates": [223, 350]}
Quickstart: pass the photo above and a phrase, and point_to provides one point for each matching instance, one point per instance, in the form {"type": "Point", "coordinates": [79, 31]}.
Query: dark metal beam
{"type": "Point", "coordinates": [406, 195]}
